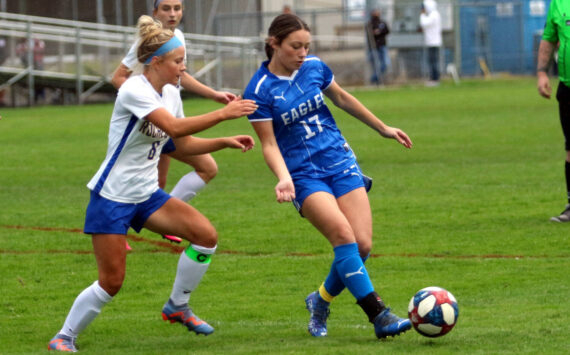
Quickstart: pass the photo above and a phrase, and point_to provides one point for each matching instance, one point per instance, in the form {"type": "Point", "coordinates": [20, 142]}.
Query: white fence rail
{"type": "Point", "coordinates": [79, 57]}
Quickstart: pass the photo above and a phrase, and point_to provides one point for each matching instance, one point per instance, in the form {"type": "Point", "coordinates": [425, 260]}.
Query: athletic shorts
{"type": "Point", "coordinates": [336, 185]}
{"type": "Point", "coordinates": [104, 216]}
{"type": "Point", "coordinates": [169, 147]}
{"type": "Point", "coordinates": [563, 97]}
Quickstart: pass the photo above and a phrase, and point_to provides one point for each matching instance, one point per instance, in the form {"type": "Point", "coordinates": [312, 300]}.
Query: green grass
{"type": "Point", "coordinates": [466, 209]}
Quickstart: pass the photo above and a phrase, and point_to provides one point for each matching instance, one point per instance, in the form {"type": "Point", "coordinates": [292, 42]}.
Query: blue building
{"type": "Point", "coordinates": [500, 35]}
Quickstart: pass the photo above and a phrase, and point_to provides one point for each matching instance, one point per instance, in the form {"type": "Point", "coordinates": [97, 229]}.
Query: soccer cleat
{"type": "Point", "coordinates": [172, 238]}
{"type": "Point", "coordinates": [320, 311]}
{"type": "Point", "coordinates": [184, 315]}
{"type": "Point", "coordinates": [564, 216]}
{"type": "Point", "coordinates": [388, 324]}
{"type": "Point", "coordinates": [62, 342]}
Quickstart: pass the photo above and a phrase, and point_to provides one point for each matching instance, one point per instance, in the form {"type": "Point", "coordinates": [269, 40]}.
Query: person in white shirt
{"type": "Point", "coordinates": [430, 22]}
{"type": "Point", "coordinates": [125, 192]}
{"type": "Point", "coordinates": [169, 13]}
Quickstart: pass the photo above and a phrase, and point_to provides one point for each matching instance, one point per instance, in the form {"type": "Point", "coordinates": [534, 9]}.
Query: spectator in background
{"type": "Point", "coordinates": [3, 50]}
{"type": "Point", "coordinates": [39, 54]}
{"type": "Point", "coordinates": [287, 9]}
{"type": "Point", "coordinates": [376, 32]}
{"type": "Point", "coordinates": [430, 23]}
{"type": "Point", "coordinates": [22, 51]}
{"type": "Point", "coordinates": [38, 48]}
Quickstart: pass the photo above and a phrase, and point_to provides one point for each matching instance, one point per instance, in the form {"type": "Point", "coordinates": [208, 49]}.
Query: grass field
{"type": "Point", "coordinates": [466, 209]}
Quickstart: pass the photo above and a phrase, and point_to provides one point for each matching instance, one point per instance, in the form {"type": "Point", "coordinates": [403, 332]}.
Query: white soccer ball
{"type": "Point", "coordinates": [433, 311]}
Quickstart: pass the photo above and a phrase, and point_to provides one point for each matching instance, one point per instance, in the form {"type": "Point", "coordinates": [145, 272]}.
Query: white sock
{"type": "Point", "coordinates": [84, 310]}
{"type": "Point", "coordinates": [188, 186]}
{"type": "Point", "coordinates": [192, 265]}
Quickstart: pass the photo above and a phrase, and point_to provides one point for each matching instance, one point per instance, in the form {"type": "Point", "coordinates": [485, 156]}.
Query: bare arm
{"type": "Point", "coordinates": [545, 51]}
{"type": "Point", "coordinates": [121, 74]}
{"type": "Point", "coordinates": [284, 190]}
{"type": "Point", "coordinates": [195, 146]}
{"type": "Point", "coordinates": [352, 106]}
{"type": "Point", "coordinates": [178, 127]}
{"type": "Point", "coordinates": [189, 83]}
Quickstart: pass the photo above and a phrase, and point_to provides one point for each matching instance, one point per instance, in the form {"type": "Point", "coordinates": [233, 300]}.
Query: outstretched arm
{"type": "Point", "coordinates": [352, 106]}
{"type": "Point", "coordinates": [545, 51]}
{"type": "Point", "coordinates": [120, 75]}
{"type": "Point", "coordinates": [284, 190]}
{"type": "Point", "coordinates": [191, 84]}
{"type": "Point", "coordinates": [194, 146]}
{"type": "Point", "coordinates": [178, 127]}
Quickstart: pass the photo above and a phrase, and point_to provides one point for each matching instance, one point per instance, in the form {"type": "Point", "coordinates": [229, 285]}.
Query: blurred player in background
{"type": "Point", "coordinates": [316, 168]}
{"type": "Point", "coordinates": [430, 22]}
{"type": "Point", "coordinates": [125, 191]}
{"type": "Point", "coordinates": [169, 13]}
{"type": "Point", "coordinates": [557, 32]}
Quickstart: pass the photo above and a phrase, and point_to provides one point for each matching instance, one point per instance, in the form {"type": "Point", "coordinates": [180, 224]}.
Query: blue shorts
{"type": "Point", "coordinates": [336, 185]}
{"type": "Point", "coordinates": [104, 216]}
{"type": "Point", "coordinates": [168, 147]}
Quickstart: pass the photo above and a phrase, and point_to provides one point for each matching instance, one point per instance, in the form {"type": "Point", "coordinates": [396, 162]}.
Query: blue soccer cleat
{"type": "Point", "coordinates": [62, 342]}
{"type": "Point", "coordinates": [320, 311]}
{"type": "Point", "coordinates": [387, 324]}
{"type": "Point", "coordinates": [184, 315]}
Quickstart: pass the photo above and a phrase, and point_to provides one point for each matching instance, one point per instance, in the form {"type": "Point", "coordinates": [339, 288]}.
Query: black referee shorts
{"type": "Point", "coordinates": [563, 97]}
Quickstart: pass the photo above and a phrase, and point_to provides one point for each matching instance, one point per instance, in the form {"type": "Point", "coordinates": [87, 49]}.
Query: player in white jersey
{"type": "Point", "coordinates": [316, 168]}
{"type": "Point", "coordinates": [169, 13]}
{"type": "Point", "coordinates": [125, 191]}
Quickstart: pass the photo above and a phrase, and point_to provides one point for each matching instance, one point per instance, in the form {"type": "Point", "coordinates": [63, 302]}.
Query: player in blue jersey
{"type": "Point", "coordinates": [315, 166]}
{"type": "Point", "coordinates": [125, 191]}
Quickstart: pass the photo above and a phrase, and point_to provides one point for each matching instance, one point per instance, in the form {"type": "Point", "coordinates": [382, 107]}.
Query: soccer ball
{"type": "Point", "coordinates": [433, 311]}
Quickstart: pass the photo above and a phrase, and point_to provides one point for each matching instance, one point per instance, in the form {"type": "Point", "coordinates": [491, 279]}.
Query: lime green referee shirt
{"type": "Point", "coordinates": [557, 29]}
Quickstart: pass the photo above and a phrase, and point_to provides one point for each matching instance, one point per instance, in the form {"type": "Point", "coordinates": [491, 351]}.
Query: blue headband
{"type": "Point", "coordinates": [173, 43]}
{"type": "Point", "coordinates": [156, 3]}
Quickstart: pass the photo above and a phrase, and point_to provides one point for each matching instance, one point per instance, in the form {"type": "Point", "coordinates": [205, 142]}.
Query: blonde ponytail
{"type": "Point", "coordinates": [152, 36]}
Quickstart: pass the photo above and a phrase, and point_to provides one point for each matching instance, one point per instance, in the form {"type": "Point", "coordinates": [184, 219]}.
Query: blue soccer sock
{"type": "Point", "coordinates": [351, 270]}
{"type": "Point", "coordinates": [333, 284]}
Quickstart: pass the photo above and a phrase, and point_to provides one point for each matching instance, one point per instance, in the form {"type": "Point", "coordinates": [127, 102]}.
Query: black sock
{"type": "Point", "coordinates": [372, 305]}
{"type": "Point", "coordinates": [568, 180]}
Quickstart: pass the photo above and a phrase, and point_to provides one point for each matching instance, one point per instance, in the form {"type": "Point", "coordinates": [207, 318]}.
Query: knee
{"type": "Point", "coordinates": [112, 283]}
{"type": "Point", "coordinates": [201, 234]}
{"type": "Point", "coordinates": [364, 248]}
{"type": "Point", "coordinates": [208, 171]}
{"type": "Point", "coordinates": [342, 234]}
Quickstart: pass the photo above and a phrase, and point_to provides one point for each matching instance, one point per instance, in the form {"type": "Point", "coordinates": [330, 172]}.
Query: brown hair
{"type": "Point", "coordinates": [152, 36]}
{"type": "Point", "coordinates": [281, 27]}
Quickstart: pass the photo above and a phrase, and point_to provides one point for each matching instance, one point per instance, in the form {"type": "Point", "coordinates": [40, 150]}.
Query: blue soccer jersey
{"type": "Point", "coordinates": [306, 132]}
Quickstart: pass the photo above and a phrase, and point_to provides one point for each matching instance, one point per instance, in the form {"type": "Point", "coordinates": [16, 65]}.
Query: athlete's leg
{"type": "Point", "coordinates": [110, 254]}
{"type": "Point", "coordinates": [325, 213]}
{"type": "Point", "coordinates": [178, 218]}
{"type": "Point", "coordinates": [163, 166]}
{"type": "Point", "coordinates": [563, 97]}
{"type": "Point", "coordinates": [205, 169]}
{"type": "Point", "coordinates": [356, 208]}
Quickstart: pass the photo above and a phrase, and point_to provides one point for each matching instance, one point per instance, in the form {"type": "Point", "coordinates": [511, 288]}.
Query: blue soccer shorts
{"type": "Point", "coordinates": [336, 185]}
{"type": "Point", "coordinates": [104, 216]}
{"type": "Point", "coordinates": [168, 147]}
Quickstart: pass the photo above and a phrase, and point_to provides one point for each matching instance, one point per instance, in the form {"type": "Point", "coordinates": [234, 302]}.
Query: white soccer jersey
{"type": "Point", "coordinates": [130, 60]}
{"type": "Point", "coordinates": [129, 172]}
